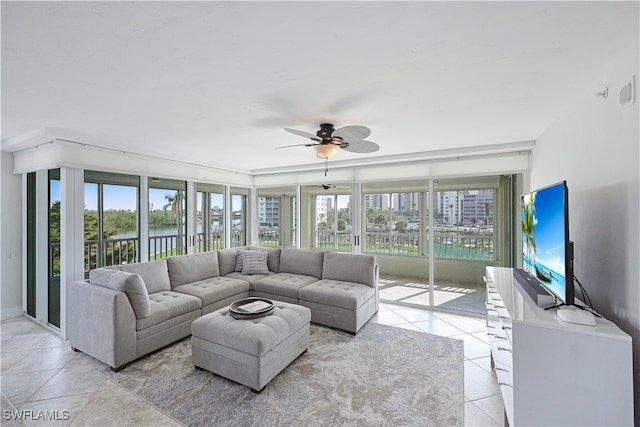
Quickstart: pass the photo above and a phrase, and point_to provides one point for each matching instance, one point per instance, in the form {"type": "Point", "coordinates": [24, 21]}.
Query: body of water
{"type": "Point", "coordinates": [161, 239]}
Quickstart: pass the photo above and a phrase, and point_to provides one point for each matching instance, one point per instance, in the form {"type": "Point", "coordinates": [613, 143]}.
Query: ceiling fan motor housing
{"type": "Point", "coordinates": [326, 129]}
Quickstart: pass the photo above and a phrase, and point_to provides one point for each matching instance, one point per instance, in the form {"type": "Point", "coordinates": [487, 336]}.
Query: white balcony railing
{"type": "Point", "coordinates": [452, 244]}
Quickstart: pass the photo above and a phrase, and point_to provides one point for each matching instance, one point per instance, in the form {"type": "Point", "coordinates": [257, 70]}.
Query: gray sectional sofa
{"type": "Point", "coordinates": [124, 312]}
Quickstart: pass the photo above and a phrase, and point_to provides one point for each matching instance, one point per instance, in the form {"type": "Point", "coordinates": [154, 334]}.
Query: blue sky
{"type": "Point", "coordinates": [118, 197]}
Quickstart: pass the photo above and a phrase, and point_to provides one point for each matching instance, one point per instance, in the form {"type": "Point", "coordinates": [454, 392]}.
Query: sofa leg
{"type": "Point", "coordinates": [119, 368]}
{"type": "Point", "coordinates": [75, 349]}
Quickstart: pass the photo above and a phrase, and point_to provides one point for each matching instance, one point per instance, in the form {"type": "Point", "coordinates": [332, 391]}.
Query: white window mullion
{"type": "Point", "coordinates": [227, 216]}
{"type": "Point", "coordinates": [191, 217]}
{"type": "Point", "coordinates": [143, 218]}
{"type": "Point", "coordinates": [431, 245]}
{"type": "Point", "coordinates": [71, 235]}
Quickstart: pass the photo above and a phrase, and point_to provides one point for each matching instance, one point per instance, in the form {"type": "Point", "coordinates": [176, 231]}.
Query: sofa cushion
{"type": "Point", "coordinates": [337, 293]}
{"type": "Point", "coordinates": [193, 267]}
{"type": "Point", "coordinates": [214, 289]}
{"type": "Point", "coordinates": [349, 268]}
{"type": "Point", "coordinates": [301, 261]}
{"type": "Point", "coordinates": [254, 262]}
{"type": "Point", "coordinates": [154, 274]}
{"type": "Point", "coordinates": [129, 283]}
{"type": "Point", "coordinates": [250, 278]}
{"type": "Point", "coordinates": [227, 260]}
{"type": "Point", "coordinates": [273, 258]}
{"type": "Point", "coordinates": [165, 305]}
{"type": "Point", "coordinates": [285, 284]}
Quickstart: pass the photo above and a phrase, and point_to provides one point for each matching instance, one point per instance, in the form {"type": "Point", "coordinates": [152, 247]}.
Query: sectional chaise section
{"type": "Point", "coordinates": [124, 312]}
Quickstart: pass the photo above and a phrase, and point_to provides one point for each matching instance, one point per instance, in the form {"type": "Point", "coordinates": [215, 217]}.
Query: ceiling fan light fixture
{"type": "Point", "coordinates": [326, 151]}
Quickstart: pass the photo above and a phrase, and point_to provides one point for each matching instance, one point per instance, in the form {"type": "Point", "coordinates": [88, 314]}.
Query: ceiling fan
{"type": "Point", "coordinates": [329, 140]}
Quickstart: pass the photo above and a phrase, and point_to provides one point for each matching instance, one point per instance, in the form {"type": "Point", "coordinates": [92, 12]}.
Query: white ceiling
{"type": "Point", "coordinates": [216, 82]}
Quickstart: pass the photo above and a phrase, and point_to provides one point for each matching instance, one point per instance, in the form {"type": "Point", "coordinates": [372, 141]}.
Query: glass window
{"type": "Point", "coordinates": [334, 227]}
{"type": "Point", "coordinates": [53, 300]}
{"type": "Point", "coordinates": [238, 217]}
{"type": "Point", "coordinates": [464, 224]}
{"type": "Point", "coordinates": [32, 248]}
{"type": "Point", "coordinates": [393, 222]}
{"type": "Point", "coordinates": [277, 216]}
{"type": "Point", "coordinates": [111, 234]}
{"type": "Point", "coordinates": [167, 218]}
{"type": "Point", "coordinates": [209, 217]}
{"type": "Point", "coordinates": [269, 221]}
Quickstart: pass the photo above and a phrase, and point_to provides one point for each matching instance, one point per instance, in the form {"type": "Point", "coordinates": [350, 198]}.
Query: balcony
{"type": "Point", "coordinates": [467, 298]}
{"type": "Point", "coordinates": [447, 244]}
{"type": "Point", "coordinates": [459, 254]}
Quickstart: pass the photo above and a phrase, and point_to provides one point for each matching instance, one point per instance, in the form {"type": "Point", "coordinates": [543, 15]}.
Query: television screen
{"type": "Point", "coordinates": [546, 249]}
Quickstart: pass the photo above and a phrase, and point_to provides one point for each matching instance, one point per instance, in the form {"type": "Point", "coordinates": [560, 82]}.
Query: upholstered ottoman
{"type": "Point", "coordinates": [250, 352]}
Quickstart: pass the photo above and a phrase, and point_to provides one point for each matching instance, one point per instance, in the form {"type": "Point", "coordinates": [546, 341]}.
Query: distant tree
{"type": "Point", "coordinates": [172, 202]}
{"type": "Point", "coordinates": [380, 221]}
{"type": "Point", "coordinates": [401, 226]}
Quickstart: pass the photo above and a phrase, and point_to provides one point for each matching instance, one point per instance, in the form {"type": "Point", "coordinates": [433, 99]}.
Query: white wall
{"type": "Point", "coordinates": [11, 240]}
{"type": "Point", "coordinates": [595, 147]}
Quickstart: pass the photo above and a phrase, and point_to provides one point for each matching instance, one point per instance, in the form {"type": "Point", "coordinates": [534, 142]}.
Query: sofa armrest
{"type": "Point", "coordinates": [101, 323]}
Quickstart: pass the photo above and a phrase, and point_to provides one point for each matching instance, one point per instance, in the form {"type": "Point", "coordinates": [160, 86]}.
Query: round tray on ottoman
{"type": "Point", "coordinates": [251, 308]}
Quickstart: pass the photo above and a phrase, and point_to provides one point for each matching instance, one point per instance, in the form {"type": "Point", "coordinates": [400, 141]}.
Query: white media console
{"type": "Point", "coordinates": [553, 373]}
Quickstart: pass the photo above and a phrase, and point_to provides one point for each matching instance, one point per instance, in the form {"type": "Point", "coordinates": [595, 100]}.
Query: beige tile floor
{"type": "Point", "coordinates": [41, 374]}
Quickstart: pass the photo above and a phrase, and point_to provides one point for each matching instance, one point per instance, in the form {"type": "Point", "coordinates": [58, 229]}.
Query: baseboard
{"type": "Point", "coordinates": [8, 313]}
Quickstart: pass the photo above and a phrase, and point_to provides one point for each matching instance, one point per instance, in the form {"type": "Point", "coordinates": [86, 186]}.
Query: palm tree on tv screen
{"type": "Point", "coordinates": [529, 226]}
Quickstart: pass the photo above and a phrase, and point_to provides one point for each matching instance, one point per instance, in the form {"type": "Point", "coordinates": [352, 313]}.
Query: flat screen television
{"type": "Point", "coordinates": [547, 252]}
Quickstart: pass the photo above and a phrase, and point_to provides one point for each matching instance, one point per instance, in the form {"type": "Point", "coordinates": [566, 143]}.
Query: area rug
{"type": "Point", "coordinates": [383, 376]}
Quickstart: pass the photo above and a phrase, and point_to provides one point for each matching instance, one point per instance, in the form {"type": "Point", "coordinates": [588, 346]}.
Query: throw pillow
{"type": "Point", "coordinates": [254, 262]}
{"type": "Point", "coordinates": [129, 283]}
{"type": "Point", "coordinates": [239, 260]}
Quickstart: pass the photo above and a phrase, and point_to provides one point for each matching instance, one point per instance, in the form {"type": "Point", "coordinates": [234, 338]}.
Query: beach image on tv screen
{"type": "Point", "coordinates": [543, 237]}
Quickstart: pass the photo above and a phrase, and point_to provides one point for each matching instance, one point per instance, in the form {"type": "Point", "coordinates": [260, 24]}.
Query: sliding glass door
{"type": "Point", "coordinates": [43, 246]}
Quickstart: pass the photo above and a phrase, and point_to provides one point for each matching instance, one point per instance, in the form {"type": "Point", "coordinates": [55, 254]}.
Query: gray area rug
{"type": "Point", "coordinates": [383, 376]}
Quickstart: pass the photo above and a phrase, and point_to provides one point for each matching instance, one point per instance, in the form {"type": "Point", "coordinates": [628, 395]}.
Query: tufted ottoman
{"type": "Point", "coordinates": [250, 352]}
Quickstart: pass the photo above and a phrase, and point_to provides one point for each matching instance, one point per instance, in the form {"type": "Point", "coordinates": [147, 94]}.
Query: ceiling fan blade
{"type": "Point", "coordinates": [349, 133]}
{"type": "Point", "coordinates": [303, 134]}
{"type": "Point", "coordinates": [361, 146]}
{"type": "Point", "coordinates": [297, 145]}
